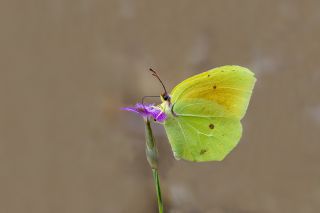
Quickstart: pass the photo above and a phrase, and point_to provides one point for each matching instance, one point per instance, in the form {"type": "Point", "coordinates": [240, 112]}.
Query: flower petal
{"type": "Point", "coordinates": [148, 110]}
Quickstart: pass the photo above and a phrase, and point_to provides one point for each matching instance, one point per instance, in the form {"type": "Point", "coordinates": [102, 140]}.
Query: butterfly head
{"type": "Point", "coordinates": [165, 97]}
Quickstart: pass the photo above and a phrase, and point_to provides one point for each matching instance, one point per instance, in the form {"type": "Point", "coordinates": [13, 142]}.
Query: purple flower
{"type": "Point", "coordinates": [148, 110]}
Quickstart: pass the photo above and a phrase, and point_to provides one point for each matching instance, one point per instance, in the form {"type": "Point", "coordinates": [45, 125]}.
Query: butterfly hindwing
{"type": "Point", "coordinates": [202, 138]}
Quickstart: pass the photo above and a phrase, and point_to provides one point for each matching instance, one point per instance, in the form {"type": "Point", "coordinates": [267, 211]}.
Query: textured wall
{"type": "Point", "coordinates": [66, 67]}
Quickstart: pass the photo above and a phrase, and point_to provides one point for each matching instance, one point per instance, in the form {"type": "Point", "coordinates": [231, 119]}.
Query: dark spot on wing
{"type": "Point", "coordinates": [214, 87]}
{"type": "Point", "coordinates": [211, 126]}
{"type": "Point", "coordinates": [208, 75]}
{"type": "Point", "coordinates": [203, 151]}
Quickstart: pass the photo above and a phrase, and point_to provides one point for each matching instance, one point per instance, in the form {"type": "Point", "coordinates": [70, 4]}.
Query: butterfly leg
{"type": "Point", "coordinates": [173, 113]}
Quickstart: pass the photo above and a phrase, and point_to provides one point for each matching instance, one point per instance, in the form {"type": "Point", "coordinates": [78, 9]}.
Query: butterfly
{"type": "Point", "coordinates": [204, 112]}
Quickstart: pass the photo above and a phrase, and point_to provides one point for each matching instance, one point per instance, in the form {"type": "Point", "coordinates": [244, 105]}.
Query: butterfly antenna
{"type": "Point", "coordinates": [155, 74]}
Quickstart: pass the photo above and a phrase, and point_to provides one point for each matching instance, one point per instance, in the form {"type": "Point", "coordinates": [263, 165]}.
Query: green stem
{"type": "Point", "coordinates": [152, 157]}
{"type": "Point", "coordinates": [158, 189]}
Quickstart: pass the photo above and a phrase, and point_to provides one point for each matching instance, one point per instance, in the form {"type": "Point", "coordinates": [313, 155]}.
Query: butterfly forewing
{"type": "Point", "coordinates": [230, 87]}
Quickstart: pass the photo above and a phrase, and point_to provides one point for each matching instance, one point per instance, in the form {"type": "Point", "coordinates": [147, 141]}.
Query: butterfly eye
{"type": "Point", "coordinates": [165, 97]}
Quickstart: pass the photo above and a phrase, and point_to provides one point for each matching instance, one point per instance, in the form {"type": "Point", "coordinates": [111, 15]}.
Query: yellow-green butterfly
{"type": "Point", "coordinates": [204, 112]}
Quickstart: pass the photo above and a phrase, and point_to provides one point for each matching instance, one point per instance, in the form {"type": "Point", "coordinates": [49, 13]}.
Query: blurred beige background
{"type": "Point", "coordinates": [66, 67]}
